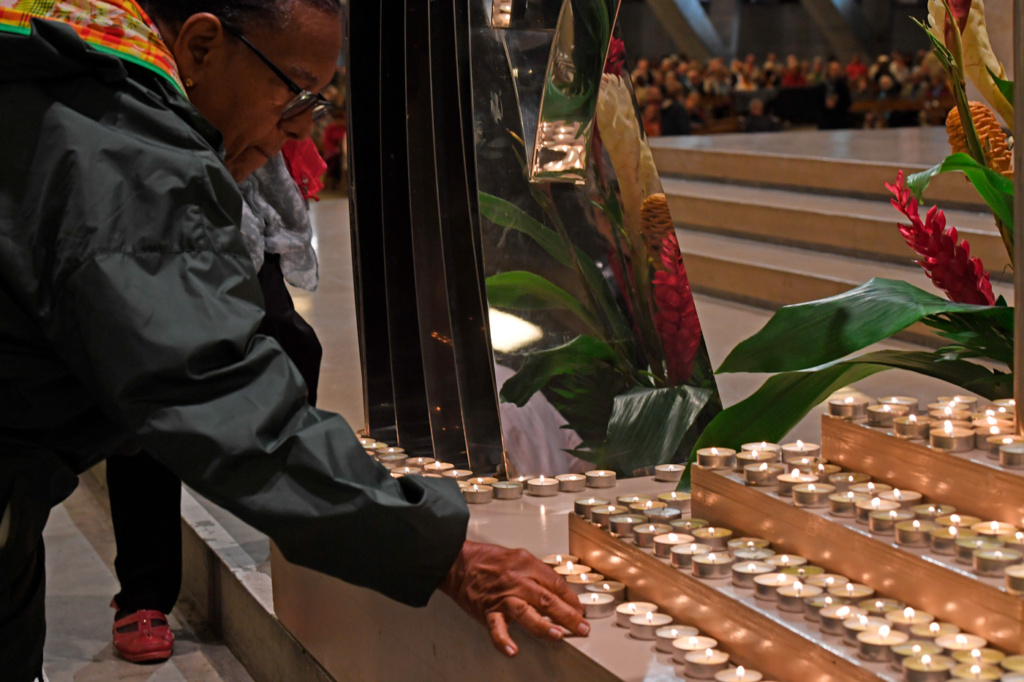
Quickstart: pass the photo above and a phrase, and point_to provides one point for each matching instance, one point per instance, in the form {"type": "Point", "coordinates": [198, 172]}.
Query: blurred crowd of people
{"type": "Point", "coordinates": [678, 95]}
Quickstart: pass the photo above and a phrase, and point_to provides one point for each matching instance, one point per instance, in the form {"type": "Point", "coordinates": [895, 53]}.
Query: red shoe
{"type": "Point", "coordinates": [144, 636]}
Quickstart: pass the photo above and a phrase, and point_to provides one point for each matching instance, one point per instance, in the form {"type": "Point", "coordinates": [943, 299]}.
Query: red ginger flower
{"type": "Point", "coordinates": [676, 318]}
{"type": "Point", "coordinates": [948, 264]}
{"type": "Point", "coordinates": [306, 166]}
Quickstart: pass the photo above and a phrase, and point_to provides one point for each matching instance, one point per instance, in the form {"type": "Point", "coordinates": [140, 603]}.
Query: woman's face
{"type": "Point", "coordinates": [240, 95]}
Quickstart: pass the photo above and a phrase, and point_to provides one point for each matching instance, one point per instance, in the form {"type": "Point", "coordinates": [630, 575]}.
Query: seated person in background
{"type": "Point", "coordinates": [694, 111]}
{"type": "Point", "coordinates": [757, 121]}
{"type": "Point", "coordinates": [674, 120]}
{"type": "Point", "coordinates": [793, 76]}
{"type": "Point", "coordinates": [835, 113]}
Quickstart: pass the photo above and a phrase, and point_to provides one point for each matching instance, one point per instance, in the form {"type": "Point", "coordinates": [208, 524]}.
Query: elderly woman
{"type": "Point", "coordinates": [129, 306]}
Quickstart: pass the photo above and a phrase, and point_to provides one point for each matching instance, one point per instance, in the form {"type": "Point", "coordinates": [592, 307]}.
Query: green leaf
{"type": "Point", "coordinates": [1005, 86]}
{"type": "Point", "coordinates": [814, 333]}
{"type": "Point", "coordinates": [521, 290]}
{"type": "Point", "coordinates": [994, 188]}
{"type": "Point", "coordinates": [541, 367]}
{"type": "Point", "coordinates": [507, 214]}
{"type": "Point", "coordinates": [775, 408]}
{"type": "Point", "coordinates": [987, 334]}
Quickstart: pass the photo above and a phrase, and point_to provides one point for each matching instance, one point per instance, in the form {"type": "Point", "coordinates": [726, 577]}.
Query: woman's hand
{"type": "Point", "coordinates": [497, 586]}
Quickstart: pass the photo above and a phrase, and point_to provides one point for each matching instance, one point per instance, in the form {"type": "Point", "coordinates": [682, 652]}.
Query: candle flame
{"type": "Point", "coordinates": [998, 554]}
{"type": "Point", "coordinates": [884, 631]}
{"type": "Point", "coordinates": [915, 649]}
{"type": "Point", "coordinates": [693, 642]}
{"type": "Point", "coordinates": [897, 494]}
{"type": "Point", "coordinates": [916, 524]}
{"type": "Point", "coordinates": [975, 670]}
{"type": "Point", "coordinates": [763, 467]}
{"type": "Point", "coordinates": [741, 672]}
{"type": "Point", "coordinates": [1007, 440]}
{"type": "Point", "coordinates": [568, 566]}
{"type": "Point", "coordinates": [849, 588]}
{"type": "Point", "coordinates": [947, 426]}
{"type": "Point", "coordinates": [870, 486]}
{"type": "Point", "coordinates": [764, 445]}
{"type": "Point", "coordinates": [934, 628]}
{"type": "Point", "coordinates": [961, 640]}
{"type": "Point", "coordinates": [994, 431]}
{"type": "Point", "coordinates": [1018, 536]}
{"type": "Point", "coordinates": [843, 611]}
{"type": "Point", "coordinates": [948, 411]}
{"type": "Point", "coordinates": [751, 566]}
{"type": "Point", "coordinates": [631, 607]}
{"type": "Point", "coordinates": [708, 653]}
{"type": "Point", "coordinates": [693, 547]}
{"type": "Point", "coordinates": [851, 495]}
{"type": "Point", "coordinates": [955, 400]}
{"type": "Point", "coordinates": [862, 619]}
{"type": "Point", "coordinates": [893, 515]}
{"type": "Point", "coordinates": [541, 479]}
{"type": "Point", "coordinates": [798, 587]}
{"type": "Point", "coordinates": [994, 526]}
{"type": "Point", "coordinates": [909, 613]}
{"type": "Point", "coordinates": [558, 559]}
{"type": "Point", "coordinates": [650, 504]}
{"type": "Point", "coordinates": [649, 617]}
{"type": "Point", "coordinates": [604, 586]}
{"type": "Point", "coordinates": [886, 408]}
{"type": "Point", "coordinates": [975, 654]}
{"type": "Point", "coordinates": [799, 445]}
{"type": "Point", "coordinates": [811, 488]}
{"type": "Point", "coordinates": [672, 537]}
{"type": "Point", "coordinates": [912, 419]}
{"type": "Point", "coordinates": [714, 451]}
{"type": "Point", "coordinates": [829, 581]}
{"type": "Point", "coordinates": [475, 488]}
{"type": "Point", "coordinates": [754, 454]}
{"type": "Point", "coordinates": [784, 560]}
{"type": "Point", "coordinates": [926, 660]}
{"type": "Point", "coordinates": [849, 400]}
{"type": "Point", "coordinates": [954, 519]}
{"type": "Point", "coordinates": [876, 502]}
{"type": "Point", "coordinates": [781, 578]}
{"type": "Point", "coordinates": [990, 420]}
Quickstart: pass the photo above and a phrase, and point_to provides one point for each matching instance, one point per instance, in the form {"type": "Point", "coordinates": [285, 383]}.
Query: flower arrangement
{"type": "Point", "coordinates": [809, 347]}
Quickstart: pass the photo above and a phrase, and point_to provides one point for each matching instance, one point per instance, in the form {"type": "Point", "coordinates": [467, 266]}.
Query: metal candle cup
{"type": "Point", "coordinates": [602, 515]}
{"type": "Point", "coordinates": [645, 626]}
{"type": "Point", "coordinates": [855, 625]}
{"type": "Point", "coordinates": [478, 494]}
{"type": "Point", "coordinates": [866, 507]}
{"type": "Point", "coordinates": [814, 605]}
{"type": "Point", "coordinates": [943, 539]}
{"type": "Point", "coordinates": [914, 533]}
{"type": "Point", "coordinates": [744, 572]}
{"type": "Point", "coordinates": [748, 457]}
{"type": "Point", "coordinates": [883, 522]}
{"type": "Point", "coordinates": [715, 537]}
{"type": "Point", "coordinates": [904, 620]}
{"type": "Point", "coordinates": [406, 470]}
{"type": "Point", "coordinates": [597, 605]}
{"type": "Point", "coordinates": [844, 480]}
{"type": "Point", "coordinates": [393, 460]}
{"type": "Point", "coordinates": [1013, 540]}
{"type": "Point", "coordinates": [882, 415]}
{"type": "Point", "coordinates": [747, 543]}
{"type": "Point", "coordinates": [812, 494]}
{"type": "Point", "coordinates": [622, 524]}
{"type": "Point", "coordinates": [753, 553]}
{"type": "Point", "coordinates": [993, 528]}
{"type": "Point", "coordinates": [689, 643]}
{"type": "Point", "coordinates": [913, 648]}
{"type": "Point", "coordinates": [995, 562]}
{"type": "Point", "coordinates": [509, 490]}
{"type": "Point", "coordinates": [438, 467]}
{"type": "Point", "coordinates": [1015, 578]}
{"type": "Point", "coordinates": [827, 580]}
{"type": "Point", "coordinates": [571, 483]}
{"type": "Point", "coordinates": [458, 474]}
{"type": "Point", "coordinates": [647, 507]}
{"type": "Point", "coordinates": [926, 668]}
{"type": "Point", "coordinates": [964, 401]}
{"type": "Point", "coordinates": [912, 427]}
{"type": "Point", "coordinates": [585, 505]}
{"type": "Point", "coordinates": [984, 433]}
{"type": "Point", "coordinates": [559, 559]}
{"type": "Point", "coordinates": [1013, 663]}
{"type": "Point", "coordinates": [670, 473]}
{"type": "Point", "coordinates": [787, 480]}
{"type": "Point", "coordinates": [676, 500]}
{"type": "Point", "coordinates": [966, 547]}
{"type": "Point", "coordinates": [644, 534]}
{"type": "Point", "coordinates": [985, 656]}
{"type": "Point", "coordinates": [764, 447]}
{"type": "Point", "coordinates": [663, 544]}
{"type": "Point", "coordinates": [688, 525]}
{"type": "Point", "coordinates": [482, 480]}
{"type": "Point", "coordinates": [613, 587]}
{"type": "Point", "coordinates": [906, 498]}
{"type": "Point", "coordinates": [848, 408]}
{"type": "Point", "coordinates": [767, 584]}
{"type": "Point", "coordinates": [579, 582]}
{"type": "Point", "coordinates": [419, 461]}
{"type": "Point", "coordinates": [703, 665]}
{"type": "Point", "coordinates": [716, 458]}
{"type": "Point", "coordinates": [844, 504]}
{"type": "Point", "coordinates": [784, 561]}
{"type": "Point", "coordinates": [852, 591]}
{"type": "Point", "coordinates": [791, 597]}
{"type": "Point", "coordinates": [713, 565]}
{"type": "Point", "coordinates": [933, 630]}
{"type": "Point", "coordinates": [930, 512]}
{"type": "Point", "coordinates": [973, 671]}
{"type": "Point", "coordinates": [951, 438]}
{"type": "Point", "coordinates": [876, 645]}
{"type": "Point", "coordinates": [762, 474]}
{"type": "Point", "coordinates": [800, 449]}
{"type": "Point", "coordinates": [542, 487]}
{"type": "Point", "coordinates": [961, 641]}
{"type": "Point", "coordinates": [627, 500]}
{"type": "Point", "coordinates": [739, 674]}
{"type": "Point", "coordinates": [665, 635]}
{"type": "Point", "coordinates": [624, 612]}
{"type": "Point", "coordinates": [832, 617]}
{"type": "Point", "coordinates": [961, 521]}
{"type": "Point", "coordinates": [572, 568]}
{"type": "Point", "coordinates": [908, 402]}
{"type": "Point", "coordinates": [681, 555]}
{"type": "Point", "coordinates": [870, 488]}
{"type": "Point", "coordinates": [600, 478]}
{"type": "Point", "coordinates": [993, 443]}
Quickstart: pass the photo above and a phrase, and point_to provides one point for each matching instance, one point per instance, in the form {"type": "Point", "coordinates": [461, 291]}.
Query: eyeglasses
{"type": "Point", "coordinates": [303, 100]}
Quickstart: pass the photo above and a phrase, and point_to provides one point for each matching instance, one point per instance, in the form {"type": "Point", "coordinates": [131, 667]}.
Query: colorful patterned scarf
{"type": "Point", "coordinates": [117, 27]}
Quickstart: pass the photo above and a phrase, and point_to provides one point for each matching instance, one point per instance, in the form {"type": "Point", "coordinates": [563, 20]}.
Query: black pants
{"type": "Point", "coordinates": [145, 497]}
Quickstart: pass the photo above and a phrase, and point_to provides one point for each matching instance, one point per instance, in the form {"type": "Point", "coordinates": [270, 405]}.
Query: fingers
{"type": "Point", "coordinates": [499, 634]}
{"type": "Point", "coordinates": [523, 613]}
{"type": "Point", "coordinates": [565, 611]}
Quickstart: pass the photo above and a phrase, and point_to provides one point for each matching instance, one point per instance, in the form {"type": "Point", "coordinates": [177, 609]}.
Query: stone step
{"type": "Point", "coordinates": [841, 225]}
{"type": "Point", "coordinates": [845, 162]}
{"type": "Point", "coordinates": [771, 276]}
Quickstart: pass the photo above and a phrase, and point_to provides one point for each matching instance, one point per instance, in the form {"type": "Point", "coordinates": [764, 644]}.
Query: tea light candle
{"type": "Point", "coordinates": [713, 565]}
{"type": "Point", "coordinates": [458, 474]}
{"type": "Point", "coordinates": [748, 457]}
{"type": "Point", "coordinates": [742, 543]}
{"type": "Point", "coordinates": [786, 560]}
{"type": "Point", "coordinates": [753, 553]}
{"type": "Point", "coordinates": [602, 515]}
{"type": "Point", "coordinates": [995, 562]}
{"type": "Point", "coordinates": [597, 605]}
{"type": "Point", "coordinates": [665, 635]}
{"type": "Point", "coordinates": [625, 611]}
{"type": "Point", "coordinates": [933, 630]}
{"type": "Point", "coordinates": [875, 645]}
{"type": "Point", "coordinates": [951, 438]}
{"type": "Point", "coordinates": [961, 641]}
{"type": "Point", "coordinates": [787, 480]}
{"type": "Point", "coordinates": [1015, 579]}
{"type": "Point", "coordinates": [763, 447]}
{"type": "Point", "coordinates": [984, 656]}
{"type": "Point", "coordinates": [973, 671]}
{"type": "Point", "coordinates": [690, 643]}
{"type": "Point", "coordinates": [823, 470]}
{"type": "Point", "coordinates": [791, 597]}
{"type": "Point", "coordinates": [676, 500]}
{"type": "Point", "coordinates": [1006, 404]}
{"type": "Point", "coordinates": [662, 515]}
{"type": "Point", "coordinates": [832, 617]}
{"type": "Point", "coordinates": [993, 443]}
{"type": "Point", "coordinates": [716, 458]}
{"type": "Point", "coordinates": [858, 624]}
{"type": "Point", "coordinates": [663, 544]}
{"type": "Point", "coordinates": [914, 648]}
{"type": "Point", "coordinates": [1013, 541]}
{"type": "Point", "coordinates": [367, 442]}
{"type": "Point", "coordinates": [800, 449]}
{"type": "Point", "coordinates": [578, 583]}
{"type": "Point", "coordinates": [949, 414]}
{"type": "Point", "coordinates": [870, 488]}
{"type": "Point", "coordinates": [1013, 664]}
{"type": "Point", "coordinates": [927, 668]}
{"type": "Point", "coordinates": [965, 401]}
{"type": "Point", "coordinates": [438, 467]}
{"type": "Point", "coordinates": [906, 498]}
{"type": "Point", "coordinates": [482, 480]}
{"type": "Point", "coordinates": [993, 528]}
{"type": "Point", "coordinates": [628, 500]}
{"type": "Point", "coordinates": [644, 534]}
{"type": "Point", "coordinates": [852, 591]}
{"type": "Point", "coordinates": [392, 460]}
{"type": "Point", "coordinates": [812, 494]}
{"type": "Point", "coordinates": [744, 572]}
{"type": "Point", "coordinates": [718, 538]}
{"type": "Point", "coordinates": [827, 580]}
{"type": "Point", "coordinates": [930, 512]}
{"type": "Point", "coordinates": [1012, 455]}
{"type": "Point", "coordinates": [646, 625]}
{"type": "Point", "coordinates": [880, 606]}
{"type": "Point", "coordinates": [814, 605]}
{"type": "Point", "coordinates": [912, 427]}
{"type": "Point", "coordinates": [559, 559]}
{"type": "Point", "coordinates": [882, 415]}
{"type": "Point", "coordinates": [405, 470]}
{"type": "Point", "coordinates": [867, 507]}
{"type": "Point", "coordinates": [571, 568]}
{"type": "Point", "coordinates": [681, 555]}
{"type": "Point", "coordinates": [803, 572]}
{"type": "Point", "coordinates": [419, 461]}
{"type": "Point", "coordinates": [571, 483]}
{"type": "Point", "coordinates": [966, 547]}
{"type": "Point", "coordinates": [844, 504]}
{"type": "Point", "coordinates": [738, 674]}
{"type": "Point", "coordinates": [805, 465]}
{"type": "Point", "coordinates": [668, 472]}
{"type": "Point", "coordinates": [687, 525]}
{"type": "Point", "coordinates": [600, 478]}
{"type": "Point", "coordinates": [646, 507]}
{"type": "Point", "coordinates": [944, 538]}
{"type": "Point", "coordinates": [766, 584]}
{"type": "Point", "coordinates": [612, 587]}
{"type": "Point", "coordinates": [542, 487]}
{"type": "Point", "coordinates": [478, 494]}
{"type": "Point", "coordinates": [983, 433]}
{"type": "Point", "coordinates": [622, 524]}
{"type": "Point", "coordinates": [914, 533]}
{"type": "Point", "coordinates": [585, 505]}
{"type": "Point", "coordinates": [883, 522]}
{"type": "Point", "coordinates": [908, 402]}
{"type": "Point", "coordinates": [510, 490]}
{"type": "Point", "coordinates": [703, 665]}
{"type": "Point", "coordinates": [845, 479]}
{"type": "Point", "coordinates": [849, 407]}
{"type": "Point", "coordinates": [763, 474]}
{"type": "Point", "coordinates": [907, 618]}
